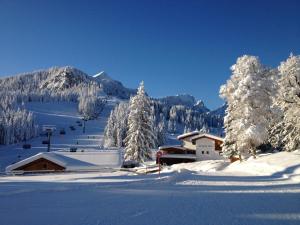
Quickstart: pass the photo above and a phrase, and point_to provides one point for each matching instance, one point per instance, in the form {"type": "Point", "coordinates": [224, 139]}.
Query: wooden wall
{"type": "Point", "coordinates": [40, 165]}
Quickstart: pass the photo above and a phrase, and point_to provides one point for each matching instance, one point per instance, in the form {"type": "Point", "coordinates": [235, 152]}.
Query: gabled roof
{"type": "Point", "coordinates": [190, 134]}
{"type": "Point", "coordinates": [208, 136]}
{"type": "Point", "coordinates": [49, 156]}
{"type": "Point", "coordinates": [75, 161]}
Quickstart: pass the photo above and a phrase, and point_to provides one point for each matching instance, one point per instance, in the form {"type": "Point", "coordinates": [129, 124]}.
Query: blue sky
{"type": "Point", "coordinates": [174, 46]}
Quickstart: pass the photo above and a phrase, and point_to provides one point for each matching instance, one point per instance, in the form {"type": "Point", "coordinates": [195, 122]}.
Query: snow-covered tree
{"type": "Point", "coordinates": [16, 124]}
{"type": "Point", "coordinates": [204, 129]}
{"type": "Point", "coordinates": [90, 105]}
{"type": "Point", "coordinates": [288, 101]}
{"type": "Point", "coordinates": [248, 95]}
{"type": "Point", "coordinates": [109, 138]}
{"type": "Point", "coordinates": [140, 136]}
{"type": "Point", "coordinates": [160, 131]}
{"type": "Point", "coordinates": [116, 128]}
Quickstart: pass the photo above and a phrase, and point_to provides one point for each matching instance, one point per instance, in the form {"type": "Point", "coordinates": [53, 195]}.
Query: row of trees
{"type": "Point", "coordinates": [263, 106]}
{"type": "Point", "coordinates": [15, 124]}
{"type": "Point", "coordinates": [53, 85]}
{"type": "Point", "coordinates": [166, 119]}
{"type": "Point", "coordinates": [90, 104]}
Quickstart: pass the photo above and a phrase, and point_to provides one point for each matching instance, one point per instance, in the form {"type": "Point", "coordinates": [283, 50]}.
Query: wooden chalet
{"type": "Point", "coordinates": [196, 146]}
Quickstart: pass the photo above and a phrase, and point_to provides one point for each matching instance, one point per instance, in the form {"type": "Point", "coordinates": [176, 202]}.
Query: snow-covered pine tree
{"type": "Point", "coordinates": [140, 136]}
{"type": "Point", "coordinates": [122, 113]}
{"type": "Point", "coordinates": [160, 131]}
{"type": "Point", "coordinates": [248, 94]}
{"type": "Point", "coordinates": [109, 138]}
{"type": "Point", "coordinates": [90, 105]}
{"type": "Point", "coordinates": [204, 129]}
{"type": "Point", "coordinates": [288, 100]}
{"type": "Point", "coordinates": [116, 127]}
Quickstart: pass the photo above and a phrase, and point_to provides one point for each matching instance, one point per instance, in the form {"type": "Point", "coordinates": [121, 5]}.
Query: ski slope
{"type": "Point", "coordinates": [62, 115]}
{"type": "Point", "coordinates": [177, 197]}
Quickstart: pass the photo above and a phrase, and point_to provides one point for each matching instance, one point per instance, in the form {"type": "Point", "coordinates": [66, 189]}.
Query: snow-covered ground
{"type": "Point", "coordinates": [259, 191]}
{"type": "Point", "coordinates": [210, 192]}
{"type": "Point", "coordinates": [62, 115]}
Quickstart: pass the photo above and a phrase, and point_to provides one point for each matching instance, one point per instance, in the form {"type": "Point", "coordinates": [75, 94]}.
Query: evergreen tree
{"type": "Point", "coordinates": [109, 138]}
{"type": "Point", "coordinates": [288, 101]}
{"type": "Point", "coordinates": [248, 94]}
{"type": "Point", "coordinates": [140, 136]}
{"type": "Point", "coordinates": [116, 128]}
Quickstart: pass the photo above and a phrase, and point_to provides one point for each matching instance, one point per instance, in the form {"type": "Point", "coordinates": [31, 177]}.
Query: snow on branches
{"type": "Point", "coordinates": [140, 137]}
{"type": "Point", "coordinates": [288, 101]}
{"type": "Point", "coordinates": [248, 94]}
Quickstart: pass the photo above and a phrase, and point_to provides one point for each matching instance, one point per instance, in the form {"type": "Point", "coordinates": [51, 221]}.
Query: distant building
{"type": "Point", "coordinates": [63, 161]}
{"type": "Point", "coordinates": [196, 146]}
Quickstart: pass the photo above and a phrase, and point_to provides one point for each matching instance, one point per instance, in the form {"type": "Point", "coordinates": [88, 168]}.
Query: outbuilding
{"type": "Point", "coordinates": [63, 161]}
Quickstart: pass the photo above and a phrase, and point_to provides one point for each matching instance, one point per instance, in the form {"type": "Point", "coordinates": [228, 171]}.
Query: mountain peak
{"type": "Point", "coordinates": [102, 75]}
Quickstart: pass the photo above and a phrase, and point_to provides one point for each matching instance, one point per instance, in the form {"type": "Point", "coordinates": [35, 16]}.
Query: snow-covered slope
{"type": "Point", "coordinates": [62, 78]}
{"type": "Point", "coordinates": [183, 197]}
{"type": "Point", "coordinates": [113, 87]}
{"type": "Point", "coordinates": [62, 115]}
{"type": "Point", "coordinates": [284, 165]}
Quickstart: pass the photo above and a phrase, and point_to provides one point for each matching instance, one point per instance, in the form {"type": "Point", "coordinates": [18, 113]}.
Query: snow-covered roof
{"type": "Point", "coordinates": [172, 146]}
{"type": "Point", "coordinates": [179, 156]}
{"type": "Point", "coordinates": [189, 134]}
{"type": "Point", "coordinates": [208, 136]}
{"type": "Point", "coordinates": [75, 161]}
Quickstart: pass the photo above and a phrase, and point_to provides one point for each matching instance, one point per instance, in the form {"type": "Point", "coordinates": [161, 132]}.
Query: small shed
{"type": "Point", "coordinates": [60, 161]}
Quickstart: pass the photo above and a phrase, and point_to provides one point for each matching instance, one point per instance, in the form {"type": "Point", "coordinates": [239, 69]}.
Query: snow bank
{"type": "Point", "coordinates": [201, 166]}
{"type": "Point", "coordinates": [278, 165]}
{"type": "Point", "coordinates": [281, 164]}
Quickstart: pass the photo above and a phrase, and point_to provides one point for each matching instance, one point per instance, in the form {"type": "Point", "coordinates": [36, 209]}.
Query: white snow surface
{"type": "Point", "coordinates": [62, 115]}
{"type": "Point", "coordinates": [277, 165]}
{"type": "Point", "coordinates": [207, 192]}
{"type": "Point", "coordinates": [263, 191]}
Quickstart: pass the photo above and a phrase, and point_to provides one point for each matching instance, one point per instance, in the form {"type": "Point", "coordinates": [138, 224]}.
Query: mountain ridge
{"type": "Point", "coordinates": [61, 78]}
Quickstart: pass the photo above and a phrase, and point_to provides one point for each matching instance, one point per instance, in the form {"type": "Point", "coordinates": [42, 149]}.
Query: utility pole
{"type": "Point", "coordinates": [49, 135]}
{"type": "Point", "coordinates": [49, 129]}
{"type": "Point", "coordinates": [83, 128]}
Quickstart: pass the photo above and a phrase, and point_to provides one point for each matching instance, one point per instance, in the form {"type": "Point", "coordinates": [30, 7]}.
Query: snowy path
{"type": "Point", "coordinates": [62, 115]}
{"type": "Point", "coordinates": [120, 199]}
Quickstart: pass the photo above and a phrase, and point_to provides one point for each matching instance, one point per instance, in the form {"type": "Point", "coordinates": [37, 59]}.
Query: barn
{"type": "Point", "coordinates": [64, 161]}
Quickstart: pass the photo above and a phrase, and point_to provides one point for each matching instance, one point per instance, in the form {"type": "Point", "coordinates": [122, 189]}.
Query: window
{"type": "Point", "coordinates": [207, 152]}
{"type": "Point", "coordinates": [202, 152]}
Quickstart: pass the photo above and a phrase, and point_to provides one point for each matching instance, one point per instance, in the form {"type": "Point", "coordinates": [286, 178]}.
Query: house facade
{"type": "Point", "coordinates": [196, 146]}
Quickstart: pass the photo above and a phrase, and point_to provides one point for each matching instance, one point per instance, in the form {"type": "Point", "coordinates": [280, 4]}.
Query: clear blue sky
{"type": "Point", "coordinates": [174, 46]}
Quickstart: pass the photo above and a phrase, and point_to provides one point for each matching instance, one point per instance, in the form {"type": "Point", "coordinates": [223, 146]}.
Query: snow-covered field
{"type": "Point", "coordinates": [208, 192]}
{"type": "Point", "coordinates": [259, 191]}
{"type": "Point", "coordinates": [62, 115]}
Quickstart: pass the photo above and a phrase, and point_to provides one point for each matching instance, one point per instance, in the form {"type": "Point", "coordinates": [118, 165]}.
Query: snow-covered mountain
{"type": "Point", "coordinates": [183, 99]}
{"type": "Point", "coordinates": [113, 87]}
{"type": "Point", "coordinates": [62, 78]}
{"type": "Point", "coordinates": [179, 113]}
{"type": "Point", "coordinates": [219, 111]}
